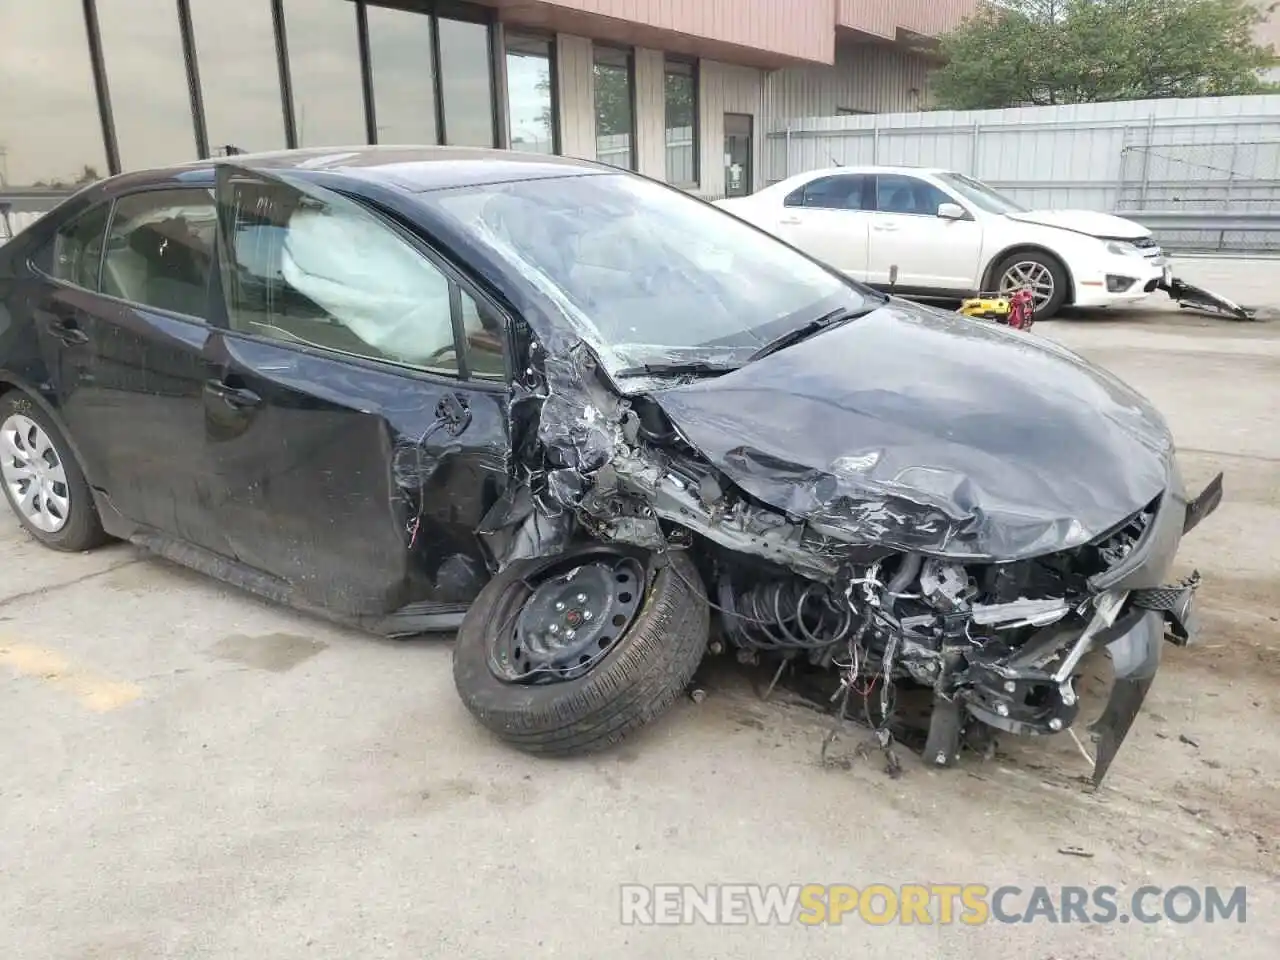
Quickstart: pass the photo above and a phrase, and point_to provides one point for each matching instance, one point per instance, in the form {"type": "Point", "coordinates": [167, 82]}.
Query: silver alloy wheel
{"type": "Point", "coordinates": [32, 470]}
{"type": "Point", "coordinates": [1029, 274]}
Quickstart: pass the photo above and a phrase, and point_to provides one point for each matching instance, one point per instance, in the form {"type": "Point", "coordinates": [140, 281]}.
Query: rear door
{"type": "Point", "coordinates": [930, 253]}
{"type": "Point", "coordinates": [356, 422]}
{"type": "Point", "coordinates": [828, 218]}
{"type": "Point", "coordinates": [125, 314]}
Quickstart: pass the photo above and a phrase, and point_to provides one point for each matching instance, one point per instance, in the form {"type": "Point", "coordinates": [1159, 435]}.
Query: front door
{"type": "Point", "coordinates": [737, 154]}
{"type": "Point", "coordinates": [930, 253]}
{"type": "Point", "coordinates": [130, 325]}
{"type": "Point", "coordinates": [357, 421]}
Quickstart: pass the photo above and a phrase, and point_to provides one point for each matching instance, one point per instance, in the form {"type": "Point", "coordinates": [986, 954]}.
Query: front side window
{"type": "Point", "coordinates": [77, 248]}
{"type": "Point", "coordinates": [646, 273]}
{"type": "Point", "coordinates": [909, 195]}
{"type": "Point", "coordinates": [681, 94]}
{"type": "Point", "coordinates": [614, 94]}
{"type": "Point", "coordinates": [327, 273]}
{"type": "Point", "coordinates": [160, 250]}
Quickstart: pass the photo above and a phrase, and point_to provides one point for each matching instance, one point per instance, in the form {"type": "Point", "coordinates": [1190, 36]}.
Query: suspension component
{"type": "Point", "coordinates": [784, 615]}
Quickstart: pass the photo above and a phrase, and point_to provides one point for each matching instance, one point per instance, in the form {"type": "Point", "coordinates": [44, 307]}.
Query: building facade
{"type": "Point", "coordinates": [682, 90]}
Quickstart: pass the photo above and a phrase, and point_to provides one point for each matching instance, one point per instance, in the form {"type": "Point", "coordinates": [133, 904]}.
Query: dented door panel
{"type": "Point", "coordinates": [346, 480]}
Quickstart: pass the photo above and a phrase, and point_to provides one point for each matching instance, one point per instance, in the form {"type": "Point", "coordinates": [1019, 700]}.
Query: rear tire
{"type": "Point", "coordinates": [42, 480]}
{"type": "Point", "coordinates": [639, 678]}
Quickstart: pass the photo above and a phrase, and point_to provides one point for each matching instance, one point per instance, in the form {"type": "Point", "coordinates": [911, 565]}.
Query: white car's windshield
{"type": "Point", "coordinates": [647, 273]}
{"type": "Point", "coordinates": [979, 194]}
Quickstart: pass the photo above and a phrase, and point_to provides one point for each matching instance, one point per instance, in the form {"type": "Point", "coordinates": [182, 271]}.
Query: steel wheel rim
{"type": "Point", "coordinates": [34, 474]}
{"type": "Point", "coordinates": [571, 618]}
{"type": "Point", "coordinates": [1032, 275]}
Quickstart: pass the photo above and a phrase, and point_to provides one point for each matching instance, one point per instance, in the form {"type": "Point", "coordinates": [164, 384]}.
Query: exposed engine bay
{"type": "Point", "coordinates": [997, 643]}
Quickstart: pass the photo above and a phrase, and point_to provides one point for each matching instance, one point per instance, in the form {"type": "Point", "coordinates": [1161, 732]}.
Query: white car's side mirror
{"type": "Point", "coordinates": [951, 211]}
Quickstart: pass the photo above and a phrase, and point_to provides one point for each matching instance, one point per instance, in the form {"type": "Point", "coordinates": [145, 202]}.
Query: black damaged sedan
{"type": "Point", "coordinates": [593, 424]}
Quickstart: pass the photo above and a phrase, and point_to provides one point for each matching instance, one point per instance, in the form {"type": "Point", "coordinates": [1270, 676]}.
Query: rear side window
{"type": "Point", "coordinates": [843, 192]}
{"type": "Point", "coordinates": [160, 250]}
{"type": "Point", "coordinates": [77, 248]}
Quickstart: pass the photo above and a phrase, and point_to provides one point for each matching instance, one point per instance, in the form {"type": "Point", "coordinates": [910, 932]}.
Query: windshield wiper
{"type": "Point", "coordinates": [678, 368]}
{"type": "Point", "coordinates": [803, 332]}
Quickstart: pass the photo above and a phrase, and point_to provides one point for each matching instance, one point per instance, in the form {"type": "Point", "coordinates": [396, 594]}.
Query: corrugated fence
{"type": "Point", "coordinates": [1202, 173]}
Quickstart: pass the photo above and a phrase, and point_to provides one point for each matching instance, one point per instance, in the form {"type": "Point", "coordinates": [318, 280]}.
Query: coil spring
{"type": "Point", "coordinates": [785, 615]}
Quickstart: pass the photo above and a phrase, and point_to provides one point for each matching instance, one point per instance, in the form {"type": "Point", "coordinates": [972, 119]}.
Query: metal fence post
{"type": "Point", "coordinates": [973, 148]}
{"type": "Point", "coordinates": [786, 157]}
{"type": "Point", "coordinates": [1146, 159]}
{"type": "Point", "coordinates": [875, 140]}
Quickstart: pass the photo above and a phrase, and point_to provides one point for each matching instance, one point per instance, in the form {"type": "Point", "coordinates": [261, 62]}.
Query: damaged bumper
{"type": "Point", "coordinates": [1190, 297]}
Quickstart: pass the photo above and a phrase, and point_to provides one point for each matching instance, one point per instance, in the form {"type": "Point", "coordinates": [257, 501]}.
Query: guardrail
{"type": "Point", "coordinates": [1191, 232]}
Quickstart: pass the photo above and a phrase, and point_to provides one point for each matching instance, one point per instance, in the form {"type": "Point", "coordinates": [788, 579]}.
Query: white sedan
{"type": "Point", "coordinates": [940, 234]}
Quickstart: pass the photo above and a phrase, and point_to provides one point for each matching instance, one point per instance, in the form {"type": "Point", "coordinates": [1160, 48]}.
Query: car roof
{"type": "Point", "coordinates": [414, 169]}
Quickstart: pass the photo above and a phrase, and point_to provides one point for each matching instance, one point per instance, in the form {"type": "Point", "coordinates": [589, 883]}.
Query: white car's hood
{"type": "Point", "coordinates": [1085, 221]}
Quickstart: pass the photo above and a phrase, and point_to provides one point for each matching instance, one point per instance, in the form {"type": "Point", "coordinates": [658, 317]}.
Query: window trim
{"type": "Point", "coordinates": [553, 62]}
{"type": "Point", "coordinates": [457, 281]}
{"type": "Point", "coordinates": [633, 165]}
{"type": "Point", "coordinates": [695, 76]}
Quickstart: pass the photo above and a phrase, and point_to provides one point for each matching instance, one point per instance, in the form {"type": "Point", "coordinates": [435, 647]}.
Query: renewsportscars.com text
{"type": "Point", "coordinates": [933, 903]}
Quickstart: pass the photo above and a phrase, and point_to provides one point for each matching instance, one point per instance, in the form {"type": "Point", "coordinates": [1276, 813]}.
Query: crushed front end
{"type": "Point", "coordinates": [882, 590]}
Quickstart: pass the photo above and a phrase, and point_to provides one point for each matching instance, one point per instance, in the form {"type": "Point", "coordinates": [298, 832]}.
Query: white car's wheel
{"type": "Point", "coordinates": [1042, 274]}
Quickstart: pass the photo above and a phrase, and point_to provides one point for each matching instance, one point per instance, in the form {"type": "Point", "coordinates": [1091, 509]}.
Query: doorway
{"type": "Point", "coordinates": [737, 154]}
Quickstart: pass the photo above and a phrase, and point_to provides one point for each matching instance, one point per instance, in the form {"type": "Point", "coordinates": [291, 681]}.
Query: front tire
{"type": "Point", "coordinates": [582, 709]}
{"type": "Point", "coordinates": [42, 481]}
{"type": "Point", "coordinates": [1043, 273]}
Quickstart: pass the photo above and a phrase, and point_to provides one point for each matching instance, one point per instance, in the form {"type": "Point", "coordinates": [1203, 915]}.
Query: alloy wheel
{"type": "Point", "coordinates": [32, 470]}
{"type": "Point", "coordinates": [1031, 275]}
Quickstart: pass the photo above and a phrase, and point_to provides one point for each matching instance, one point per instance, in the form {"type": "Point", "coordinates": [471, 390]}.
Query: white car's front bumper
{"type": "Point", "coordinates": [1114, 279]}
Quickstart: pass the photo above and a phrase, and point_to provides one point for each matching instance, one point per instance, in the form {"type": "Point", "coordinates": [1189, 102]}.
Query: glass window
{"type": "Point", "coordinates": [845, 192]}
{"type": "Point", "coordinates": [981, 195]}
{"type": "Point", "coordinates": [403, 95]}
{"type": "Point", "coordinates": [615, 130]}
{"type": "Point", "coordinates": [239, 77]}
{"type": "Point", "coordinates": [147, 75]}
{"type": "Point", "coordinates": [466, 82]}
{"type": "Point", "coordinates": [330, 274]}
{"type": "Point", "coordinates": [50, 132]}
{"type": "Point", "coordinates": [160, 250]}
{"type": "Point", "coordinates": [650, 273]}
{"type": "Point", "coordinates": [530, 98]}
{"type": "Point", "coordinates": [899, 194]}
{"type": "Point", "coordinates": [77, 248]}
{"type": "Point", "coordinates": [324, 70]}
{"type": "Point", "coordinates": [681, 85]}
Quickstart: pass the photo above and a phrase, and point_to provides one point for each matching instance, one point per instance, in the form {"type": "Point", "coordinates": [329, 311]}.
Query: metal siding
{"type": "Point", "coordinates": [577, 97]}
{"type": "Point", "coordinates": [727, 88]}
{"type": "Point", "coordinates": [797, 28]}
{"type": "Point", "coordinates": [885, 17]}
{"type": "Point", "coordinates": [651, 110]}
{"type": "Point", "coordinates": [1200, 156]}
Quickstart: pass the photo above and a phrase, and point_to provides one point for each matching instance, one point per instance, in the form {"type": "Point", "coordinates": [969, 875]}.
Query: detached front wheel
{"type": "Point", "coordinates": [570, 654]}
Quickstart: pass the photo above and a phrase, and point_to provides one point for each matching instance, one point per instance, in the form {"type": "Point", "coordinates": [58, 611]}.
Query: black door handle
{"type": "Point", "coordinates": [238, 398]}
{"type": "Point", "coordinates": [67, 332]}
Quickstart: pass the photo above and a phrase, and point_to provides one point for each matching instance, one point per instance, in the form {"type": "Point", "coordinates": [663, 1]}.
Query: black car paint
{"type": "Point", "coordinates": [957, 438]}
{"type": "Point", "coordinates": [304, 475]}
{"type": "Point", "coordinates": [310, 497]}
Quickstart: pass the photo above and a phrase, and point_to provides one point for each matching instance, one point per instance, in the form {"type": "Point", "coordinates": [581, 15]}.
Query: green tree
{"type": "Point", "coordinates": [1045, 52]}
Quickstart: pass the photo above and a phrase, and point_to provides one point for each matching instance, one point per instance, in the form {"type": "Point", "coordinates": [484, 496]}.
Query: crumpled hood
{"type": "Point", "coordinates": [927, 431]}
{"type": "Point", "coordinates": [1084, 221]}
